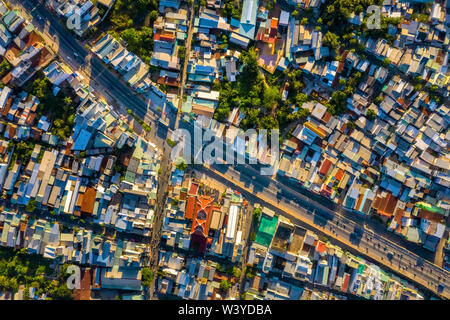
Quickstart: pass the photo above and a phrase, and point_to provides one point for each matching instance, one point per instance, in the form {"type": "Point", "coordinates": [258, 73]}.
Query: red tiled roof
{"type": "Point", "coordinates": [325, 167]}
{"type": "Point", "coordinates": [84, 293]}
{"type": "Point", "coordinates": [202, 214]}
{"type": "Point", "coordinates": [385, 205]}
{"type": "Point", "coordinates": [346, 282]}
{"type": "Point", "coordinates": [193, 189]}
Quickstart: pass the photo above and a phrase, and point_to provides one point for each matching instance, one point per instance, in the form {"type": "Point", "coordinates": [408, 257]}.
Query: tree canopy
{"type": "Point", "coordinates": [17, 267]}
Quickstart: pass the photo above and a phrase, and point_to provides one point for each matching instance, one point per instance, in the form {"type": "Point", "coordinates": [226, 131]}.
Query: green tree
{"type": "Point", "coordinates": [236, 272]}
{"type": "Point", "coordinates": [225, 285]}
{"type": "Point", "coordinates": [153, 15]}
{"type": "Point", "coordinates": [31, 206]}
{"type": "Point", "coordinates": [140, 42]}
{"type": "Point", "coordinates": [330, 39]}
{"type": "Point", "coordinates": [351, 125]}
{"type": "Point", "coordinates": [5, 67]}
{"type": "Point", "coordinates": [182, 52]}
{"type": "Point", "coordinates": [181, 164]}
{"type": "Point", "coordinates": [371, 114]}
{"type": "Point", "coordinates": [147, 276]}
{"type": "Point", "coordinates": [271, 96]}
{"type": "Point", "coordinates": [338, 103]}
{"type": "Point", "coordinates": [41, 88]}
{"type": "Point", "coordinates": [256, 215]}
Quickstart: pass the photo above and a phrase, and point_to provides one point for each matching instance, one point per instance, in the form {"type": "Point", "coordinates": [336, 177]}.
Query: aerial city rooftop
{"type": "Point", "coordinates": [358, 203]}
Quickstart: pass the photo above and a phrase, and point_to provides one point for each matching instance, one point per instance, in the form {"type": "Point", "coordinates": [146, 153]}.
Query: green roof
{"type": "Point", "coordinates": [130, 176]}
{"type": "Point", "coordinates": [361, 268]}
{"type": "Point", "coordinates": [266, 230]}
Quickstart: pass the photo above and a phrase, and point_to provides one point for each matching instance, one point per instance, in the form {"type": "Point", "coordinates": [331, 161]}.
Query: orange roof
{"type": "Point", "coordinates": [321, 247]}
{"type": "Point", "coordinates": [432, 216]}
{"type": "Point", "coordinates": [12, 131]}
{"type": "Point", "coordinates": [202, 214]}
{"type": "Point", "coordinates": [398, 218]}
{"type": "Point", "coordinates": [325, 167]}
{"type": "Point", "coordinates": [189, 212]}
{"type": "Point", "coordinates": [359, 201]}
{"type": "Point", "coordinates": [87, 206]}
{"type": "Point", "coordinates": [274, 23]}
{"type": "Point", "coordinates": [326, 117]}
{"type": "Point", "coordinates": [339, 175]}
{"type": "Point", "coordinates": [164, 37]}
{"type": "Point", "coordinates": [322, 134]}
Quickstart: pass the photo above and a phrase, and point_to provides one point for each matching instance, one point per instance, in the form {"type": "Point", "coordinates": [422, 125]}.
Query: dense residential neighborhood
{"type": "Point", "coordinates": [93, 94]}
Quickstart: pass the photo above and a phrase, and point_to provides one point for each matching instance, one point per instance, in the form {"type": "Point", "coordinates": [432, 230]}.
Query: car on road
{"type": "Point", "coordinates": [390, 255]}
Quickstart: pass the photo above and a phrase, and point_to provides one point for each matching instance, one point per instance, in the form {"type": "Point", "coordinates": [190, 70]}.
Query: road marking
{"type": "Point", "coordinates": [276, 205]}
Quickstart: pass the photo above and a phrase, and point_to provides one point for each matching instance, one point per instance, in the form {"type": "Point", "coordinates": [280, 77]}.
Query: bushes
{"type": "Point", "coordinates": [256, 215]}
{"type": "Point", "coordinates": [144, 126]}
{"type": "Point", "coordinates": [181, 164]}
{"type": "Point", "coordinates": [31, 206]}
{"type": "Point", "coordinates": [171, 142]}
{"type": "Point", "coordinates": [250, 272]}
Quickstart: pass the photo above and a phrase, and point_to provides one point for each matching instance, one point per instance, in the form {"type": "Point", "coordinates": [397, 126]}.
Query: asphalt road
{"type": "Point", "coordinates": [108, 85]}
{"type": "Point", "coordinates": [369, 244]}
{"type": "Point", "coordinates": [164, 177]}
{"type": "Point", "coordinates": [104, 82]}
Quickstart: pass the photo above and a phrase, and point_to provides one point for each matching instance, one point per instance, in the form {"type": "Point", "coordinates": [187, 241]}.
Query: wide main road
{"type": "Point", "coordinates": [94, 70]}
{"type": "Point", "coordinates": [369, 241]}
{"type": "Point", "coordinates": [369, 244]}
{"type": "Point", "coordinates": [107, 83]}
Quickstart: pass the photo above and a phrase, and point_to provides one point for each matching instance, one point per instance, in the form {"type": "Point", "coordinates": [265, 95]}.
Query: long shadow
{"type": "Point", "coordinates": [356, 236]}
{"type": "Point", "coordinates": [161, 130]}
{"type": "Point", "coordinates": [302, 190]}
{"type": "Point", "coordinates": [252, 178]}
